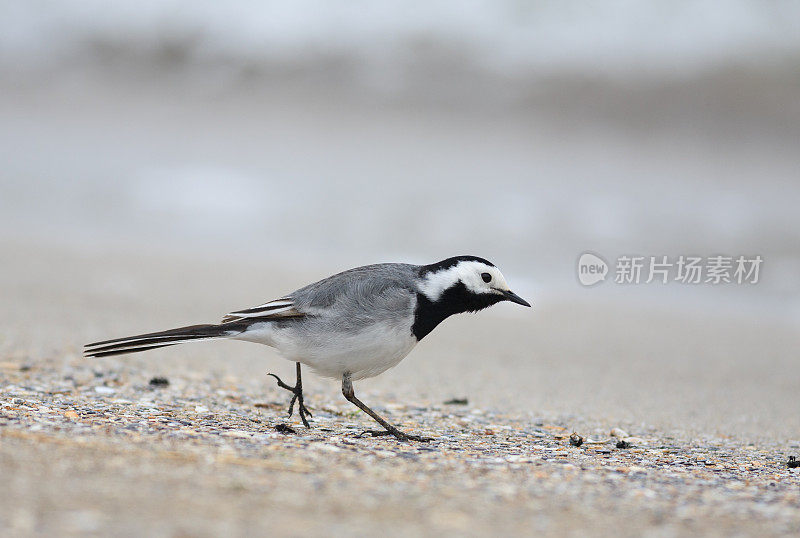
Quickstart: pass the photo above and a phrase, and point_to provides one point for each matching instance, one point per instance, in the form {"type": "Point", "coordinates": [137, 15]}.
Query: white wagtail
{"type": "Point", "coordinates": [352, 325]}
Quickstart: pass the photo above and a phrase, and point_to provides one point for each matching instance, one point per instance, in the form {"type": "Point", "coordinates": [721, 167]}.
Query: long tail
{"type": "Point", "coordinates": [145, 342]}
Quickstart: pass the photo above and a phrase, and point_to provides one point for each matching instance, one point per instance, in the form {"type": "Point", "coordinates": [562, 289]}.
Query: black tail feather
{"type": "Point", "coordinates": [144, 342]}
{"type": "Point", "coordinates": [96, 354]}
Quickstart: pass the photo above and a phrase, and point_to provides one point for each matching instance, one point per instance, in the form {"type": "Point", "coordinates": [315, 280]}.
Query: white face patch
{"type": "Point", "coordinates": [470, 273]}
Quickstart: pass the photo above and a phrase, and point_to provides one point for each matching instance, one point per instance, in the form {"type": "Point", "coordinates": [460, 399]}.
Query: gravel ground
{"type": "Point", "coordinates": [90, 447]}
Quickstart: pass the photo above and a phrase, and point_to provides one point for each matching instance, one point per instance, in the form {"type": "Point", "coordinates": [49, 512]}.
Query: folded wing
{"type": "Point", "coordinates": [277, 309]}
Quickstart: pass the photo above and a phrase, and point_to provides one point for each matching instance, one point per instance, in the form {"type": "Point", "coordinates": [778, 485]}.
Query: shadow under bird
{"type": "Point", "coordinates": [349, 326]}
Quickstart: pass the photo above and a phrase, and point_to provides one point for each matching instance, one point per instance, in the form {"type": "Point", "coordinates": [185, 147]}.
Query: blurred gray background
{"type": "Point", "coordinates": [258, 146]}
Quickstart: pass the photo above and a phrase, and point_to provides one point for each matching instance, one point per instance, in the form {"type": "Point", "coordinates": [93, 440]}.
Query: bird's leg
{"type": "Point", "coordinates": [297, 396]}
{"type": "Point", "coordinates": [349, 393]}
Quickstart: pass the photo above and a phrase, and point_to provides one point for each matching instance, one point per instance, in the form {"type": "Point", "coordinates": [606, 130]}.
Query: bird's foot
{"type": "Point", "coordinates": [401, 436]}
{"type": "Point", "coordinates": [297, 396]}
{"type": "Point", "coordinates": [302, 410]}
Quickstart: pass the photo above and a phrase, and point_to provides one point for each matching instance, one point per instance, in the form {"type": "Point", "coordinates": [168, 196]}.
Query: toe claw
{"type": "Point", "coordinates": [281, 384]}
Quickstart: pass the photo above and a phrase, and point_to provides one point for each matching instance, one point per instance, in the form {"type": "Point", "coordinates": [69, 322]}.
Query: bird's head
{"type": "Point", "coordinates": [468, 283]}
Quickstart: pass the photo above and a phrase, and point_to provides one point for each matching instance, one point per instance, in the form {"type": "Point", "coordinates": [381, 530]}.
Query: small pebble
{"type": "Point", "coordinates": [159, 382]}
{"type": "Point", "coordinates": [622, 443]}
{"type": "Point", "coordinates": [590, 441]}
{"type": "Point", "coordinates": [793, 462]}
{"type": "Point", "coordinates": [284, 429]}
{"type": "Point", "coordinates": [575, 440]}
{"type": "Point", "coordinates": [457, 401]}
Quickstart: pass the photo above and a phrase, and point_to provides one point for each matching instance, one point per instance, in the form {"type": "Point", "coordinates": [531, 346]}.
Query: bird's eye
{"type": "Point", "coordinates": [486, 277]}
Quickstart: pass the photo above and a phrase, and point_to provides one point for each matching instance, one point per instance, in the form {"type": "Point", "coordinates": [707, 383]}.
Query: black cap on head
{"type": "Point", "coordinates": [450, 262]}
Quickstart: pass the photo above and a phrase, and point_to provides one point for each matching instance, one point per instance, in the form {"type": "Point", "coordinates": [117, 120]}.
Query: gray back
{"type": "Point", "coordinates": [361, 295]}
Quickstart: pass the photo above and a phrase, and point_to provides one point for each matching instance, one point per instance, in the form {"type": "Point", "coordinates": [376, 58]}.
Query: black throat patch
{"type": "Point", "coordinates": [454, 300]}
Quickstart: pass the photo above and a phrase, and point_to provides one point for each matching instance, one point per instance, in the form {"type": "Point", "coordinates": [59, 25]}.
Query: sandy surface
{"type": "Point", "coordinates": [90, 447]}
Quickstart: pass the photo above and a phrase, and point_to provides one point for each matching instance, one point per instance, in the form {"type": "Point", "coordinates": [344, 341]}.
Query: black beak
{"type": "Point", "coordinates": [514, 298]}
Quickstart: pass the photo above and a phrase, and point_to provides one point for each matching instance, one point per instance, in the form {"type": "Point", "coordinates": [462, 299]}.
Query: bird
{"type": "Point", "coordinates": [350, 326]}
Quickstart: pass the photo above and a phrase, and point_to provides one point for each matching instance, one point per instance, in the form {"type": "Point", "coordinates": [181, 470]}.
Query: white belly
{"type": "Point", "coordinates": [366, 353]}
